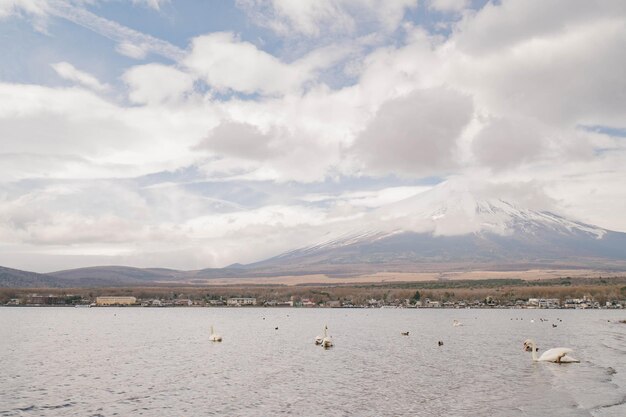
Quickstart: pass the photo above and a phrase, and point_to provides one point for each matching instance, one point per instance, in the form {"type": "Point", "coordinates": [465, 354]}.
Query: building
{"type": "Point", "coordinates": [115, 301]}
{"type": "Point", "coordinates": [241, 301]}
{"type": "Point", "coordinates": [35, 299]}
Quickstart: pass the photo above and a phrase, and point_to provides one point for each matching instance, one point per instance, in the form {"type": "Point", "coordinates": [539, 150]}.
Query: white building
{"type": "Point", "coordinates": [115, 301]}
{"type": "Point", "coordinates": [241, 301]}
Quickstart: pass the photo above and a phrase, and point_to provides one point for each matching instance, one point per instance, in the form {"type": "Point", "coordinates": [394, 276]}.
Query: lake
{"type": "Point", "coordinates": [159, 362]}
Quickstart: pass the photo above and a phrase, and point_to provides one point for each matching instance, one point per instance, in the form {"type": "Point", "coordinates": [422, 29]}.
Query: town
{"type": "Point", "coordinates": [70, 300]}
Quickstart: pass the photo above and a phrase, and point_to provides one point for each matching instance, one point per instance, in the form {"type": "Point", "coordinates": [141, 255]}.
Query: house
{"type": "Point", "coordinates": [307, 303]}
{"type": "Point", "coordinates": [241, 301]}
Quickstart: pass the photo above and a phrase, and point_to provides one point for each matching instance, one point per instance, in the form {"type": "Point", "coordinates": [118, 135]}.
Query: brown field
{"type": "Point", "coordinates": [397, 277]}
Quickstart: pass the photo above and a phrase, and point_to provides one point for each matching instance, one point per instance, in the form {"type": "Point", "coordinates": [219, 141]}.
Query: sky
{"type": "Point", "coordinates": [192, 134]}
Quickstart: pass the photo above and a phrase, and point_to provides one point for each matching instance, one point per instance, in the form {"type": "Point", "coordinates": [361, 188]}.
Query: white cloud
{"type": "Point", "coordinates": [227, 63]}
{"type": "Point", "coordinates": [46, 123]}
{"type": "Point", "coordinates": [315, 18]}
{"type": "Point", "coordinates": [448, 5]}
{"type": "Point", "coordinates": [69, 72]}
{"type": "Point", "coordinates": [568, 78]}
{"type": "Point", "coordinates": [368, 199]}
{"type": "Point", "coordinates": [155, 84]}
{"type": "Point", "coordinates": [131, 50]}
{"type": "Point", "coordinates": [154, 4]}
{"type": "Point", "coordinates": [132, 43]}
{"type": "Point", "coordinates": [12, 7]}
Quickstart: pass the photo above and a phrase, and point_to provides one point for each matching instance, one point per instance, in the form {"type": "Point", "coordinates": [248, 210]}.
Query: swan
{"type": "Point", "coordinates": [214, 337]}
{"type": "Point", "coordinates": [557, 355]}
{"type": "Point", "coordinates": [327, 341]}
{"type": "Point", "coordinates": [456, 323]}
{"type": "Point", "coordinates": [319, 338]}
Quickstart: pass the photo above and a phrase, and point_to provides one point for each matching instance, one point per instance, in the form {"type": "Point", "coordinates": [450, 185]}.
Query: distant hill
{"type": "Point", "coordinates": [116, 276]}
{"type": "Point", "coordinates": [14, 278]}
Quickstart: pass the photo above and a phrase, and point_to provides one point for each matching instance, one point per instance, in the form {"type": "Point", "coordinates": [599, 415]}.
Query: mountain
{"type": "Point", "coordinates": [14, 278]}
{"type": "Point", "coordinates": [116, 275]}
{"type": "Point", "coordinates": [448, 228]}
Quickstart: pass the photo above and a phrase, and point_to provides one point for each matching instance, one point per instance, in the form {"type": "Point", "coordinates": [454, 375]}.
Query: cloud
{"type": "Point", "coordinates": [153, 4]}
{"type": "Point", "coordinates": [502, 25]}
{"type": "Point", "coordinates": [503, 143]}
{"type": "Point", "coordinates": [39, 122]}
{"type": "Point", "coordinates": [240, 140]}
{"type": "Point", "coordinates": [69, 72]}
{"type": "Point", "coordinates": [315, 18]}
{"type": "Point", "coordinates": [132, 43]}
{"type": "Point", "coordinates": [415, 134]}
{"type": "Point", "coordinates": [13, 7]}
{"type": "Point", "coordinates": [368, 199]}
{"type": "Point", "coordinates": [156, 83]}
{"type": "Point", "coordinates": [448, 5]}
{"type": "Point", "coordinates": [226, 63]}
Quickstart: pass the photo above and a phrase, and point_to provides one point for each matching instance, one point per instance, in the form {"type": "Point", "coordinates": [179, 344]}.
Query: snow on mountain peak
{"type": "Point", "coordinates": [452, 208]}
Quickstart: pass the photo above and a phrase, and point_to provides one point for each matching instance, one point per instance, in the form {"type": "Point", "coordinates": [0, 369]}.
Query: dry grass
{"type": "Point", "coordinates": [397, 277]}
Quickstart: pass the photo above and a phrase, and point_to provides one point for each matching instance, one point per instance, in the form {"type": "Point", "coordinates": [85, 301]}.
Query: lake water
{"type": "Point", "coordinates": [159, 362]}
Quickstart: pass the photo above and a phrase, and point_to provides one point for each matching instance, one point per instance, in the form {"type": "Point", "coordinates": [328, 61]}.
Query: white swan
{"type": "Point", "coordinates": [557, 355]}
{"type": "Point", "coordinates": [456, 323]}
{"type": "Point", "coordinates": [214, 337]}
{"type": "Point", "coordinates": [319, 338]}
{"type": "Point", "coordinates": [327, 341]}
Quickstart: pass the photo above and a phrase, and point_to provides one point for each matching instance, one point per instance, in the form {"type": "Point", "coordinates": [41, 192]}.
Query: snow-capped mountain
{"type": "Point", "coordinates": [448, 228]}
{"type": "Point", "coordinates": [451, 227]}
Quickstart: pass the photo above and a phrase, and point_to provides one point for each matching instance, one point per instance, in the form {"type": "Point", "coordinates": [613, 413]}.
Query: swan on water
{"type": "Point", "coordinates": [319, 338]}
{"type": "Point", "coordinates": [325, 341]}
{"type": "Point", "coordinates": [557, 355]}
{"type": "Point", "coordinates": [456, 323]}
{"type": "Point", "coordinates": [214, 337]}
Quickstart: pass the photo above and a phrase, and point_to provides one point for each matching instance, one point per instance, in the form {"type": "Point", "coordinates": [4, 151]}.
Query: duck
{"type": "Point", "coordinates": [404, 333]}
{"type": "Point", "coordinates": [440, 343]}
{"type": "Point", "coordinates": [556, 355]}
{"type": "Point", "coordinates": [214, 337]}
